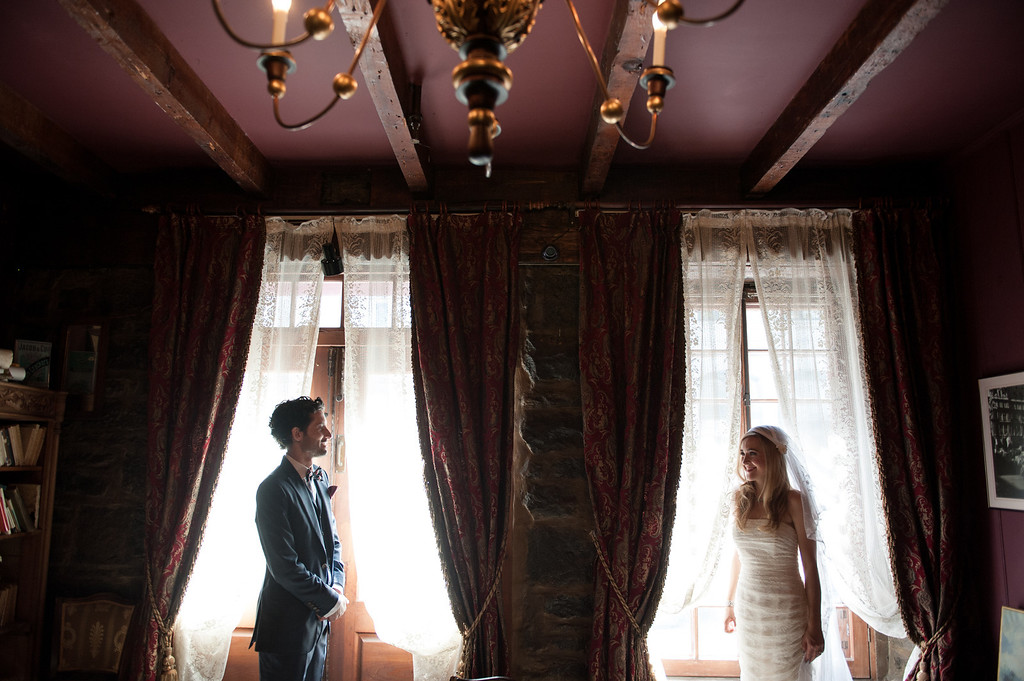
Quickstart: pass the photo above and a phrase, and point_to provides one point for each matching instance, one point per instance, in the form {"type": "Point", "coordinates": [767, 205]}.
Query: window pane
{"type": "Point", "coordinates": [756, 338]}
{"type": "Point", "coordinates": [762, 384]}
{"type": "Point", "coordinates": [289, 311]}
{"type": "Point", "coordinates": [330, 304]}
{"type": "Point", "coordinates": [372, 304]}
{"type": "Point", "coordinates": [714, 643]}
{"type": "Point", "coordinates": [764, 413]}
{"type": "Point", "coordinates": [805, 371]}
{"type": "Point", "coordinates": [672, 636]}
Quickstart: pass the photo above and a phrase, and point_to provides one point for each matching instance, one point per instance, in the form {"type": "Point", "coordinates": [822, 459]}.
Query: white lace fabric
{"type": "Point", "coordinates": [400, 578]}
{"type": "Point", "coordinates": [803, 272]}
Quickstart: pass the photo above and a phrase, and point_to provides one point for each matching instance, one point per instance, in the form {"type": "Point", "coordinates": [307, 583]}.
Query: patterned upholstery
{"type": "Point", "coordinates": [92, 633]}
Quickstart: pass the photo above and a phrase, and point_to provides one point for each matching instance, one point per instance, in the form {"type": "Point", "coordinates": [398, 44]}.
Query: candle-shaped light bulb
{"type": "Point", "coordinates": [281, 8]}
{"type": "Point", "coordinates": [660, 33]}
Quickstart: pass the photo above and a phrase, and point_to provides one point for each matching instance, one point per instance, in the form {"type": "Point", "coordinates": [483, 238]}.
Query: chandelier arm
{"type": "Point", "coordinates": [703, 22]}
{"type": "Point", "coordinates": [588, 49]}
{"type": "Point", "coordinates": [304, 124]}
{"type": "Point", "coordinates": [259, 46]}
{"type": "Point", "coordinates": [377, 11]}
{"type": "Point", "coordinates": [650, 138]}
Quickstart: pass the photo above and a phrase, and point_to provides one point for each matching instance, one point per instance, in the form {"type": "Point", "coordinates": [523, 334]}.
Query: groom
{"type": "Point", "coordinates": [304, 587]}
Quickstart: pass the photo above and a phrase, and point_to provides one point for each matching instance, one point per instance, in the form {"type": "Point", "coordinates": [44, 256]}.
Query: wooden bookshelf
{"type": "Point", "coordinates": [25, 556]}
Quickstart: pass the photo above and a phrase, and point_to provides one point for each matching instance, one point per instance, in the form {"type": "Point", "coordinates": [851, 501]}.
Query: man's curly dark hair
{"type": "Point", "coordinates": [297, 413]}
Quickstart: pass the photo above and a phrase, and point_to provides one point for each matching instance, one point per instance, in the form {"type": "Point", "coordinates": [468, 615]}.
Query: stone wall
{"type": "Point", "coordinates": [552, 551]}
{"type": "Point", "coordinates": [99, 507]}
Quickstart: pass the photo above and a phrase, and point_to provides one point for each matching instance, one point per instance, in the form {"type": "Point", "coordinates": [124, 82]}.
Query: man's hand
{"type": "Point", "coordinates": [342, 607]}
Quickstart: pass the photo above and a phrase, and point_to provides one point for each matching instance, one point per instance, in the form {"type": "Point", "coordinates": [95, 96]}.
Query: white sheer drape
{"type": "Point", "coordinates": [229, 569]}
{"type": "Point", "coordinates": [400, 578]}
{"type": "Point", "coordinates": [805, 283]}
{"type": "Point", "coordinates": [804, 275]}
{"type": "Point", "coordinates": [714, 260]}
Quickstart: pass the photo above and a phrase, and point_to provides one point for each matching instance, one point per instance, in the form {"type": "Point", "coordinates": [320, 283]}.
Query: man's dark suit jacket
{"type": "Point", "coordinates": [303, 556]}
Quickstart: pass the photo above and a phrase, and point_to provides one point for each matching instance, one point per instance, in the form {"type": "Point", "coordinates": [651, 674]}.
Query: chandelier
{"type": "Point", "coordinates": [483, 32]}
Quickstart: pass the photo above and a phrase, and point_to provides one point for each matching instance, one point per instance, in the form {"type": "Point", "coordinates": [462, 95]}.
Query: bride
{"type": "Point", "coordinates": [776, 614]}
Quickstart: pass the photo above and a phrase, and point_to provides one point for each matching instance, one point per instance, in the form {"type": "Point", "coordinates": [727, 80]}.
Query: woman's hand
{"type": "Point", "coordinates": [730, 620]}
{"type": "Point", "coordinates": [814, 642]}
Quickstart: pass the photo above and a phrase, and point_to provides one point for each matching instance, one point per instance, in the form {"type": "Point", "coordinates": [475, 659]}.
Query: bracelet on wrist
{"type": "Point", "coordinates": [729, 604]}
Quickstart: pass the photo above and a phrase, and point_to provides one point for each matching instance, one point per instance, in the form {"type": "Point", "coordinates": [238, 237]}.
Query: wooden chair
{"type": "Point", "coordinates": [90, 636]}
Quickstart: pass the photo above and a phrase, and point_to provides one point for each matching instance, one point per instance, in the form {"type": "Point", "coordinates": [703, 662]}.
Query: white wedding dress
{"type": "Point", "coordinates": [771, 606]}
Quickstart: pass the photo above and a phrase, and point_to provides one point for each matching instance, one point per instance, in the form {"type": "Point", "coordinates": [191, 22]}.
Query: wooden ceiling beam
{"type": "Point", "coordinates": [24, 128]}
{"type": "Point", "coordinates": [132, 38]}
{"type": "Point", "coordinates": [388, 83]}
{"type": "Point", "coordinates": [878, 34]}
{"type": "Point", "coordinates": [621, 63]}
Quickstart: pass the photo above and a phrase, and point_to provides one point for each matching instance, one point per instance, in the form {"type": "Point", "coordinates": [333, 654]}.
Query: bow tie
{"type": "Point", "coordinates": [317, 474]}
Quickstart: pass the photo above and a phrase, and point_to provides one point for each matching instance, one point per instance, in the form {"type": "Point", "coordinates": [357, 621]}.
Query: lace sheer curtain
{"type": "Point", "coordinates": [279, 367]}
{"type": "Point", "coordinates": [399, 577]}
{"type": "Point", "coordinates": [804, 279]}
{"type": "Point", "coordinates": [714, 257]}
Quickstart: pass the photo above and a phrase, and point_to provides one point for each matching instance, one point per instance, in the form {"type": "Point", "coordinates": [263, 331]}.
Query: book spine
{"type": "Point", "coordinates": [5, 523]}
{"type": "Point", "coordinates": [17, 451]}
{"type": "Point", "coordinates": [6, 453]}
{"type": "Point", "coordinates": [12, 518]}
{"type": "Point", "coordinates": [25, 521]}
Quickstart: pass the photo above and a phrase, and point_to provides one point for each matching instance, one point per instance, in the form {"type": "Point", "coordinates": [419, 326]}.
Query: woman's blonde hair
{"type": "Point", "coordinates": [774, 493]}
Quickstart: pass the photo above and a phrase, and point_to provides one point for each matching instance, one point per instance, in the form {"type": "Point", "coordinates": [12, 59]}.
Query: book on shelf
{"type": "Point", "coordinates": [26, 520]}
{"type": "Point", "coordinates": [17, 450]}
{"type": "Point", "coordinates": [5, 523]}
{"type": "Point", "coordinates": [21, 445]}
{"type": "Point", "coordinates": [30, 495]}
{"type": "Point", "coordinates": [34, 358]}
{"type": "Point", "coordinates": [8, 599]}
{"type": "Point", "coordinates": [11, 517]}
{"type": "Point", "coordinates": [6, 451]}
{"type": "Point", "coordinates": [32, 437]}
{"type": "Point", "coordinates": [9, 523]}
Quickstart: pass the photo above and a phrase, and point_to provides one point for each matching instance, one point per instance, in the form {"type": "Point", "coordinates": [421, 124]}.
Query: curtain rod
{"type": "Point", "coordinates": [533, 207]}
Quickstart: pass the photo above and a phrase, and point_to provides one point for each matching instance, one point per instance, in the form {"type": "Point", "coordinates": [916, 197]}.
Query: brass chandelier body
{"type": "Point", "coordinates": [506, 21]}
{"type": "Point", "coordinates": [484, 32]}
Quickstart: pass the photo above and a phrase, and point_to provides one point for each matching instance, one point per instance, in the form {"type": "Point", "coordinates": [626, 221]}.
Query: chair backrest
{"type": "Point", "coordinates": [91, 633]}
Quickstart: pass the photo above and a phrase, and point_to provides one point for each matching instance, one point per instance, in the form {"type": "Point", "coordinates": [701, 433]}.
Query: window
{"type": "Point", "coordinates": [693, 643]}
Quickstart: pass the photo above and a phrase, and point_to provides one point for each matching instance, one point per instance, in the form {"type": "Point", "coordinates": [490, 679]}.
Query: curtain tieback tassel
{"type": "Point", "coordinates": [168, 670]}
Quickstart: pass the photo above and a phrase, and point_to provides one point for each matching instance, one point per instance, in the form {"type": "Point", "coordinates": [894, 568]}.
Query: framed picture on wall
{"type": "Point", "coordinates": [1011, 645]}
{"type": "Point", "coordinates": [1002, 420]}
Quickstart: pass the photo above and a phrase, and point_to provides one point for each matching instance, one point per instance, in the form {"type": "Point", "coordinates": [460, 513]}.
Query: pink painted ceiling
{"type": "Point", "coordinates": [959, 80]}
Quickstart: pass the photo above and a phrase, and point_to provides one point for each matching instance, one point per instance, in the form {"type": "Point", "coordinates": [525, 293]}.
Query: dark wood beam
{"type": "Point", "coordinates": [131, 37]}
{"type": "Point", "coordinates": [622, 63]}
{"type": "Point", "coordinates": [385, 77]}
{"type": "Point", "coordinates": [879, 33]}
{"type": "Point", "coordinates": [24, 128]}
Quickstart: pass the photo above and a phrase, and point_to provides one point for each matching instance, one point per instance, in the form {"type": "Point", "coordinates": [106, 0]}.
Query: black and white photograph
{"type": "Point", "coordinates": [1002, 410]}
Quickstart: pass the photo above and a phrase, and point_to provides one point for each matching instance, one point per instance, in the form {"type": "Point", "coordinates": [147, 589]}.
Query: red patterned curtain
{"type": "Point", "coordinates": [905, 338]}
{"type": "Point", "coordinates": [465, 303]}
{"type": "Point", "coordinates": [207, 278]}
{"type": "Point", "coordinates": [633, 373]}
